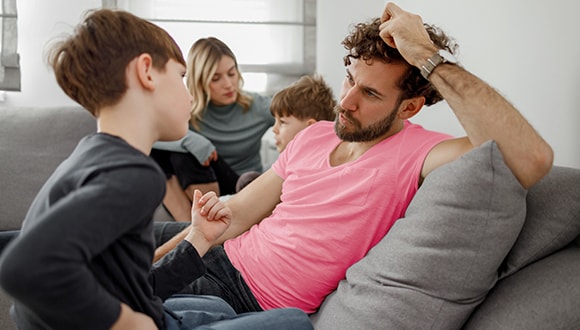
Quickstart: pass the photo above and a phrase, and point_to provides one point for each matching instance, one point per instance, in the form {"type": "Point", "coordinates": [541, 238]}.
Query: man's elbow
{"type": "Point", "coordinates": [540, 164]}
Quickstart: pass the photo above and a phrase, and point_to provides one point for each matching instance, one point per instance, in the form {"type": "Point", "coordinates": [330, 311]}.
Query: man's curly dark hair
{"type": "Point", "coordinates": [364, 42]}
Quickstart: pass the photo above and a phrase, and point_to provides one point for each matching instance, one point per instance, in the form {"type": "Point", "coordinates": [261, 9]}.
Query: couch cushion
{"type": "Point", "coordinates": [437, 263]}
{"type": "Point", "coordinates": [543, 295]}
{"type": "Point", "coordinates": [552, 219]}
{"type": "Point", "coordinates": [34, 142]}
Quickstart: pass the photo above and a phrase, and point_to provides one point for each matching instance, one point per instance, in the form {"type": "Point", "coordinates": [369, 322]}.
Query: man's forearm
{"type": "Point", "coordinates": [248, 206]}
{"type": "Point", "coordinates": [483, 113]}
{"type": "Point", "coordinates": [486, 115]}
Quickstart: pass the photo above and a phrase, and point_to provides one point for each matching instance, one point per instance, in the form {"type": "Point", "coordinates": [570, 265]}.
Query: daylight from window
{"type": "Point", "coordinates": [266, 36]}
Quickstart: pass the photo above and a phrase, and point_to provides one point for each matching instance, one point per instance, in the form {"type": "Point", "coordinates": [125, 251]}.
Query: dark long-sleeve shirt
{"type": "Point", "coordinates": [86, 244]}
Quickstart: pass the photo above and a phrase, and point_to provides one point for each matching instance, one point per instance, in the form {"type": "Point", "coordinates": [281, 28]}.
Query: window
{"type": "Point", "coordinates": [9, 58]}
{"type": "Point", "coordinates": [274, 41]}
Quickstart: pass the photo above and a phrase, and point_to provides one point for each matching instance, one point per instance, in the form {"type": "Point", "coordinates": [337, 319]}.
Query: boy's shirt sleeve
{"type": "Point", "coordinates": [175, 270]}
{"type": "Point", "coordinates": [48, 268]}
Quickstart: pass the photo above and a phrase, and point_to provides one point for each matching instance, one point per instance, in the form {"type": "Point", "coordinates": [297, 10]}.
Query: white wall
{"type": "Point", "coordinates": [38, 22]}
{"type": "Point", "coordinates": [527, 49]}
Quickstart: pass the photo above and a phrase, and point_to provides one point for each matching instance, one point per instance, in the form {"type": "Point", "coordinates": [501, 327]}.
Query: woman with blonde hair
{"type": "Point", "coordinates": [226, 127]}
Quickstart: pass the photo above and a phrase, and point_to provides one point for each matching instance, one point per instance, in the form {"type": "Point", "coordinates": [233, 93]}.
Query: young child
{"type": "Point", "coordinates": [83, 257]}
{"type": "Point", "coordinates": [298, 106]}
{"type": "Point", "coordinates": [304, 102]}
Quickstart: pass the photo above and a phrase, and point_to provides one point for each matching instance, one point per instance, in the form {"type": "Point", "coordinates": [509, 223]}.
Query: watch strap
{"type": "Point", "coordinates": [431, 64]}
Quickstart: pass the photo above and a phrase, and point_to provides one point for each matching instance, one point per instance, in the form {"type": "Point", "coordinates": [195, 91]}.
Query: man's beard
{"type": "Point", "coordinates": [359, 133]}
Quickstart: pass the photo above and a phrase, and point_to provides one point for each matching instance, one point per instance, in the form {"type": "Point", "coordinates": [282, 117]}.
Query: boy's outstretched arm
{"type": "Point", "coordinates": [164, 249]}
{"type": "Point", "coordinates": [210, 218]}
{"type": "Point", "coordinates": [249, 206]}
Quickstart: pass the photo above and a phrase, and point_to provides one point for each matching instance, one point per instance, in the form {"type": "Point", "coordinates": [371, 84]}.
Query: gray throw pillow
{"type": "Point", "coordinates": [439, 262]}
{"type": "Point", "coordinates": [552, 219]}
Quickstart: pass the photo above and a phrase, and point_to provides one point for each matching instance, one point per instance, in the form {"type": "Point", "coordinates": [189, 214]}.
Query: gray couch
{"type": "Point", "coordinates": [474, 250]}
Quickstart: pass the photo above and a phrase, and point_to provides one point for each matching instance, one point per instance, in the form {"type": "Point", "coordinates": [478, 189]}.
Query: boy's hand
{"type": "Point", "coordinates": [210, 217]}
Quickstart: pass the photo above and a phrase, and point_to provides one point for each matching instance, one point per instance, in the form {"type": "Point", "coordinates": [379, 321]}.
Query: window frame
{"type": "Point", "coordinates": [278, 75]}
{"type": "Point", "coordinates": [10, 75]}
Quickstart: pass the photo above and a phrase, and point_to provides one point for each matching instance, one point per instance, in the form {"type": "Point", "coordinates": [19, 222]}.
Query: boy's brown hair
{"type": "Point", "coordinates": [90, 64]}
{"type": "Point", "coordinates": [308, 97]}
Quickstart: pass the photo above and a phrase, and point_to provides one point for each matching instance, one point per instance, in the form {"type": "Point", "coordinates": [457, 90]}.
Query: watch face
{"type": "Point", "coordinates": [447, 56]}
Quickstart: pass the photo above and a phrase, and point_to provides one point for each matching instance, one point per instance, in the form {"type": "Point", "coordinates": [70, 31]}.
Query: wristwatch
{"type": "Point", "coordinates": [442, 56]}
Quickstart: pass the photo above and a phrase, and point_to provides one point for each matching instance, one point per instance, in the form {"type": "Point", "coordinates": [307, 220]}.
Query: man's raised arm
{"type": "Point", "coordinates": [481, 110]}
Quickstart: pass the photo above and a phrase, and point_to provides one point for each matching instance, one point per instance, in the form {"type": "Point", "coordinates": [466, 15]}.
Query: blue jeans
{"type": "Point", "coordinates": [208, 312]}
{"type": "Point", "coordinates": [163, 231]}
{"type": "Point", "coordinates": [224, 281]}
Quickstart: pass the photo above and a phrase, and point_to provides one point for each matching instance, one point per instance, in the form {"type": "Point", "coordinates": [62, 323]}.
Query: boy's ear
{"type": "Point", "coordinates": [410, 107]}
{"type": "Point", "coordinates": [310, 121]}
{"type": "Point", "coordinates": [145, 72]}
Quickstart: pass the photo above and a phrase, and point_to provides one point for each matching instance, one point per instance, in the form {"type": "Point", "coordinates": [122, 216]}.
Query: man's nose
{"type": "Point", "coordinates": [349, 100]}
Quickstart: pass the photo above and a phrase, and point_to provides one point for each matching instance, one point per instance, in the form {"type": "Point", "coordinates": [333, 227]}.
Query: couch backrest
{"type": "Point", "coordinates": [33, 141]}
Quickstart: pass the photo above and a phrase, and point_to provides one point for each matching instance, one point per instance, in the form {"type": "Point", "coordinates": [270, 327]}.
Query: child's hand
{"type": "Point", "coordinates": [209, 216]}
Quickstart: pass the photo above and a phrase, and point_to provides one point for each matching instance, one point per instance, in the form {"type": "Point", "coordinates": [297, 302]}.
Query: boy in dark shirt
{"type": "Point", "coordinates": [83, 257]}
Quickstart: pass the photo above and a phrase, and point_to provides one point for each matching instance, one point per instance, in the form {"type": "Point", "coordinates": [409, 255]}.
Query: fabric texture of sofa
{"type": "Point", "coordinates": [474, 251]}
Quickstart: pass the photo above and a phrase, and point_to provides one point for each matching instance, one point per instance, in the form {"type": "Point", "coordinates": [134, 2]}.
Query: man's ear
{"type": "Point", "coordinates": [144, 67]}
{"type": "Point", "coordinates": [410, 107]}
{"type": "Point", "coordinates": [310, 121]}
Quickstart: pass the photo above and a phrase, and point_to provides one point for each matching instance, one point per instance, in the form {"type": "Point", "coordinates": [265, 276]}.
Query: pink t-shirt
{"type": "Point", "coordinates": [329, 217]}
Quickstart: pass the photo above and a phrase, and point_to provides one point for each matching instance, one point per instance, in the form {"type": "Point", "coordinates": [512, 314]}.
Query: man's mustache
{"type": "Point", "coordinates": [338, 110]}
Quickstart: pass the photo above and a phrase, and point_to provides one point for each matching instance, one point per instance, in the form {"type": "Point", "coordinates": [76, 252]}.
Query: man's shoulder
{"type": "Point", "coordinates": [314, 138]}
{"type": "Point", "coordinates": [416, 131]}
{"type": "Point", "coordinates": [321, 126]}
{"type": "Point", "coordinates": [321, 130]}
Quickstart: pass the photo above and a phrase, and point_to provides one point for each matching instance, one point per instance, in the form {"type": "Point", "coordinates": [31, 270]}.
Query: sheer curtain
{"type": "Point", "coordinates": [9, 58]}
{"type": "Point", "coordinates": [274, 41]}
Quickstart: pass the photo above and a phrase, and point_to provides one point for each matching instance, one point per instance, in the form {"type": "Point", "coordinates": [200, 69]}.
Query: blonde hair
{"type": "Point", "coordinates": [202, 62]}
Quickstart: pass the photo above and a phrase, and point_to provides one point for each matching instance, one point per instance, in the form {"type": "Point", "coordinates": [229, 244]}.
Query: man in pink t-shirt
{"type": "Point", "coordinates": [338, 187]}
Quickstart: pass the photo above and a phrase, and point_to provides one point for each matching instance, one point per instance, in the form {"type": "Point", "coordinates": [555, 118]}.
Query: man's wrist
{"type": "Point", "coordinates": [439, 57]}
